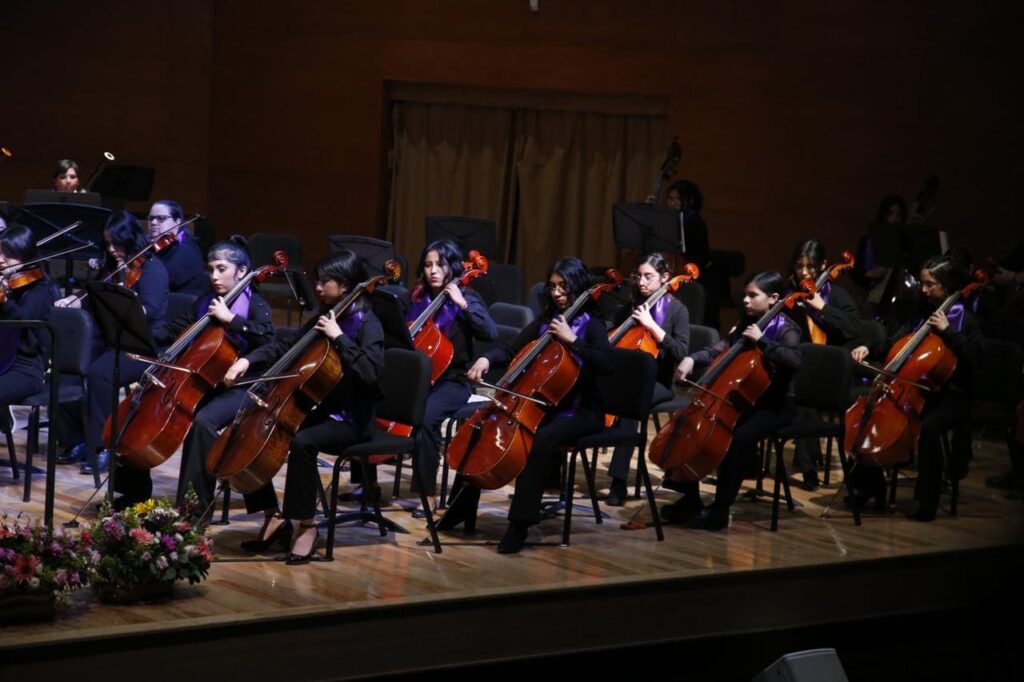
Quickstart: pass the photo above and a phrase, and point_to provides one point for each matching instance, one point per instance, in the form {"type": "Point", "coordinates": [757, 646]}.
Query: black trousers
{"type": "Point", "coordinates": [22, 380]}
{"type": "Point", "coordinates": [302, 484]}
{"type": "Point", "coordinates": [807, 451]}
{"type": "Point", "coordinates": [100, 391]}
{"type": "Point", "coordinates": [949, 412]}
{"type": "Point", "coordinates": [445, 398]}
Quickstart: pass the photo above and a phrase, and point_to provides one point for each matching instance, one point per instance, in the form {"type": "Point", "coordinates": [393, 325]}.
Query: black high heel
{"type": "Point", "coordinates": [279, 537]}
{"type": "Point", "coordinates": [297, 559]}
{"type": "Point", "coordinates": [462, 510]}
{"type": "Point", "coordinates": [514, 538]}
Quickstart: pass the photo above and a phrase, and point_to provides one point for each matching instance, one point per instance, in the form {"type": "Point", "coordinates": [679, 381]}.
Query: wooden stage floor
{"type": "Point", "coordinates": [470, 604]}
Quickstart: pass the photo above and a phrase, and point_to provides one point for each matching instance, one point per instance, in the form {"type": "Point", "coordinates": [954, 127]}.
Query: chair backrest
{"type": "Point", "coordinates": [997, 378]}
{"type": "Point", "coordinates": [824, 378]}
{"type": "Point", "coordinates": [374, 252]}
{"type": "Point", "coordinates": [503, 283]}
{"type": "Point", "coordinates": [505, 335]}
{"type": "Point", "coordinates": [872, 332]}
{"type": "Point", "coordinates": [694, 297]}
{"type": "Point", "coordinates": [178, 304]}
{"type": "Point", "coordinates": [703, 337]}
{"type": "Point", "coordinates": [629, 388]}
{"type": "Point", "coordinates": [534, 298]}
{"type": "Point", "coordinates": [404, 383]}
{"type": "Point", "coordinates": [511, 315]}
{"type": "Point", "coordinates": [74, 329]}
{"type": "Point", "coordinates": [262, 246]}
{"type": "Point", "coordinates": [468, 232]}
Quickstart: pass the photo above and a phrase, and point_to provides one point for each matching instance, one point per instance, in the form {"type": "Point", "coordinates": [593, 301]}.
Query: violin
{"type": "Point", "coordinates": [830, 274]}
{"type": "Point", "coordinates": [157, 416]}
{"type": "Point", "coordinates": [492, 446]}
{"type": "Point", "coordinates": [18, 280]}
{"type": "Point", "coordinates": [428, 338]}
{"type": "Point", "coordinates": [696, 439]}
{"type": "Point", "coordinates": [883, 427]}
{"type": "Point", "coordinates": [253, 448]}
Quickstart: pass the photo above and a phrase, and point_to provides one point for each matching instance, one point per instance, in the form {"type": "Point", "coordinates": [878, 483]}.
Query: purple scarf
{"type": "Point", "coordinates": [774, 328]}
{"type": "Point", "coordinates": [955, 316]}
{"type": "Point", "coordinates": [240, 307]}
{"type": "Point", "coordinates": [443, 318]}
{"type": "Point", "coordinates": [660, 309]}
{"type": "Point", "coordinates": [350, 324]}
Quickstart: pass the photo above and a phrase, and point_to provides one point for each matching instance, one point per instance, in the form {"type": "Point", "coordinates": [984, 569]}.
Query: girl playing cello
{"type": "Point", "coordinates": [944, 410]}
{"type": "Point", "coordinates": [345, 417]}
{"type": "Point", "coordinates": [780, 344]}
{"type": "Point", "coordinates": [578, 414]}
{"type": "Point", "coordinates": [668, 323]}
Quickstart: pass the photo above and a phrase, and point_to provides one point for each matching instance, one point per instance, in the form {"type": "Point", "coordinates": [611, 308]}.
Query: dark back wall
{"type": "Point", "coordinates": [795, 117]}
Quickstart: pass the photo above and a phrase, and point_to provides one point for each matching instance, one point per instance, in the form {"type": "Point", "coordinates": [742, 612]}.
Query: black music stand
{"type": "Point", "coordinates": [390, 305]}
{"type": "Point", "coordinates": [645, 228]}
{"type": "Point", "coordinates": [123, 325]}
{"type": "Point", "coordinates": [374, 252]}
{"type": "Point", "coordinates": [46, 218]}
{"type": "Point", "coordinates": [302, 291]}
{"type": "Point", "coordinates": [123, 183]}
{"type": "Point", "coordinates": [48, 196]}
{"type": "Point", "coordinates": [887, 243]}
{"type": "Point", "coordinates": [468, 232]}
{"type": "Point", "coordinates": [919, 244]}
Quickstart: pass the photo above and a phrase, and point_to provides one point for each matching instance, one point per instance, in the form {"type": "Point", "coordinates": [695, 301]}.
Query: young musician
{"type": "Point", "coordinates": [947, 409]}
{"type": "Point", "coordinates": [780, 343]}
{"type": "Point", "coordinates": [186, 268]}
{"type": "Point", "coordinates": [249, 326]}
{"type": "Point", "coordinates": [65, 176]}
{"type": "Point", "coordinates": [668, 323]}
{"type": "Point", "coordinates": [463, 319]}
{"type": "Point", "coordinates": [830, 316]}
{"type": "Point", "coordinates": [23, 352]}
{"type": "Point", "coordinates": [345, 417]}
{"type": "Point", "coordinates": [124, 238]}
{"type": "Point", "coordinates": [578, 415]}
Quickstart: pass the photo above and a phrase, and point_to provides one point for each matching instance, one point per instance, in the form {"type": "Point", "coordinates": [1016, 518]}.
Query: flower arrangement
{"type": "Point", "coordinates": [146, 548]}
{"type": "Point", "coordinates": [36, 559]}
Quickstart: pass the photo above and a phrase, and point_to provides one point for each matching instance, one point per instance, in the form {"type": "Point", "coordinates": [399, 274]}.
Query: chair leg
{"type": "Point", "coordinates": [954, 474]}
{"type": "Point", "coordinates": [642, 467]}
{"type": "Point", "coordinates": [780, 481]}
{"type": "Point", "coordinates": [428, 514]}
{"type": "Point", "coordinates": [570, 483]}
{"type": "Point", "coordinates": [396, 489]}
{"type": "Point", "coordinates": [9, 435]}
{"type": "Point", "coordinates": [589, 474]}
{"type": "Point", "coordinates": [370, 489]}
{"type": "Point", "coordinates": [892, 485]}
{"type": "Point", "coordinates": [828, 460]}
{"type": "Point", "coordinates": [333, 514]}
{"type": "Point", "coordinates": [31, 447]}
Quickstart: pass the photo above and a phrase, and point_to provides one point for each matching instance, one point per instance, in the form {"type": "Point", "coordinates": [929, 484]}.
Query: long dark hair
{"type": "Point", "coordinates": [690, 196]}
{"type": "Point", "coordinates": [812, 250]}
{"type": "Point", "coordinates": [449, 253]}
{"type": "Point", "coordinates": [576, 276]}
{"type": "Point", "coordinates": [18, 242]}
{"type": "Point", "coordinates": [124, 231]}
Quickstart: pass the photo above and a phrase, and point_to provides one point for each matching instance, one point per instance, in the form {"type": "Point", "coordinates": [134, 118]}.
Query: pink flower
{"type": "Point", "coordinates": [25, 568]}
{"type": "Point", "coordinates": [141, 536]}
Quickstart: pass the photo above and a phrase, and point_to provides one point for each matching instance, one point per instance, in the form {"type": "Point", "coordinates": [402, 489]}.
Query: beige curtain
{"type": "Point", "coordinates": [571, 167]}
{"type": "Point", "coordinates": [450, 159]}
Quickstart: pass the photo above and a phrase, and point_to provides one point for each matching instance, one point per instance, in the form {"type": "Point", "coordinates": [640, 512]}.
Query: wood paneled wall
{"type": "Point", "coordinates": [795, 117]}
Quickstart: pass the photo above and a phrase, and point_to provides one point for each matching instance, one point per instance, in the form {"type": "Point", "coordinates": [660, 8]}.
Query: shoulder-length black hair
{"type": "Point", "coordinates": [343, 267]}
{"type": "Point", "coordinates": [450, 255]}
{"type": "Point", "coordinates": [124, 231]}
{"type": "Point", "coordinates": [577, 278]}
{"type": "Point", "coordinates": [17, 241]}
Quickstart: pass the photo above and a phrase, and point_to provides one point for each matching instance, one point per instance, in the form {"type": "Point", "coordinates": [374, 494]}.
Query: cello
{"type": "Point", "coordinates": [158, 414]}
{"type": "Point", "coordinates": [253, 448]}
{"type": "Point", "coordinates": [883, 427]}
{"type": "Point", "coordinates": [696, 439]}
{"type": "Point", "coordinates": [491, 448]}
{"type": "Point", "coordinates": [428, 338]}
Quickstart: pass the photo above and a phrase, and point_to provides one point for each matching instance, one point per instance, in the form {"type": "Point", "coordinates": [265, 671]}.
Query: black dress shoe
{"type": "Point", "coordinates": [454, 516]}
{"type": "Point", "coordinates": [419, 513]}
{"type": "Point", "coordinates": [923, 514]}
{"type": "Point", "coordinates": [281, 535]}
{"type": "Point", "coordinates": [808, 482]}
{"type": "Point", "coordinates": [514, 538]}
{"type": "Point", "coordinates": [709, 519]}
{"type": "Point", "coordinates": [72, 455]}
{"type": "Point", "coordinates": [102, 463]}
{"type": "Point", "coordinates": [680, 511]}
{"type": "Point", "coordinates": [298, 559]}
{"type": "Point", "coordinates": [616, 493]}
{"type": "Point", "coordinates": [860, 499]}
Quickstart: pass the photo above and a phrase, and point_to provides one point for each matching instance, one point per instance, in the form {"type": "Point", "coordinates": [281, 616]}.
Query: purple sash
{"type": "Point", "coordinates": [955, 316]}
{"type": "Point", "coordinates": [774, 328]}
{"type": "Point", "coordinates": [660, 309]}
{"type": "Point", "coordinates": [239, 307]}
{"type": "Point", "coordinates": [443, 318]}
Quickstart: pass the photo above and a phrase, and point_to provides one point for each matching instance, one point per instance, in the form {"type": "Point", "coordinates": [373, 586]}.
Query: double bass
{"type": "Point", "coordinates": [253, 448]}
{"type": "Point", "coordinates": [158, 414]}
{"type": "Point", "coordinates": [428, 338]}
{"type": "Point", "coordinates": [491, 448]}
{"type": "Point", "coordinates": [883, 427]}
{"type": "Point", "coordinates": [696, 439]}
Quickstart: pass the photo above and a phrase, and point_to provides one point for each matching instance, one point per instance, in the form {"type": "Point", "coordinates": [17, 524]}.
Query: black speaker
{"type": "Point", "coordinates": [813, 665]}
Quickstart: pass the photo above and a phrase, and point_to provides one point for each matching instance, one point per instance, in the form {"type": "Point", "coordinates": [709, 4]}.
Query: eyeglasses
{"type": "Point", "coordinates": [159, 218]}
{"type": "Point", "coordinates": [563, 288]}
{"type": "Point", "coordinates": [645, 277]}
{"type": "Point", "coordinates": [925, 284]}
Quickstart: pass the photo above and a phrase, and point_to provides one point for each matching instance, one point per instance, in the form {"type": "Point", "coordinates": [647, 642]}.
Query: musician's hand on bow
{"type": "Point", "coordinates": [684, 369]}
{"type": "Point", "coordinates": [859, 354]}
{"type": "Point", "coordinates": [236, 370]}
{"type": "Point", "coordinates": [479, 368]}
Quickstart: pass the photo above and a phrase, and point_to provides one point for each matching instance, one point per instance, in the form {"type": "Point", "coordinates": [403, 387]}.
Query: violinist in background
{"type": "Point", "coordinates": [947, 409]}
{"type": "Point", "coordinates": [579, 414]}
{"type": "Point", "coordinates": [780, 343]}
{"type": "Point", "coordinates": [65, 176]}
{"type": "Point", "coordinates": [124, 238]}
{"type": "Point", "coordinates": [668, 323]}
{"type": "Point", "coordinates": [186, 268]}
{"type": "Point", "coordinates": [463, 320]}
{"type": "Point", "coordinates": [23, 352]}
{"type": "Point", "coordinates": [248, 322]}
{"type": "Point", "coordinates": [867, 273]}
{"type": "Point", "coordinates": [345, 417]}
{"type": "Point", "coordinates": [684, 196]}
{"type": "Point", "coordinates": [829, 317]}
